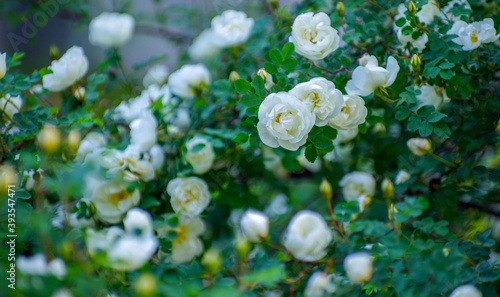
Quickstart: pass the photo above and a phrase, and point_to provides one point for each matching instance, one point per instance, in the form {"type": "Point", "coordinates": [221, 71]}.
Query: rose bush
{"type": "Point", "coordinates": [316, 149]}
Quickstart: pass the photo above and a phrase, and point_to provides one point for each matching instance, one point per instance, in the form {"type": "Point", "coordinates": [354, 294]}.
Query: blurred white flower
{"type": "Point", "coordinates": [204, 46]}
{"type": "Point", "coordinates": [307, 236]}
{"type": "Point", "coordinates": [72, 218]}
{"type": "Point", "coordinates": [358, 267]}
{"type": "Point", "coordinates": [367, 78]}
{"type": "Point", "coordinates": [111, 29]}
{"type": "Point", "coordinates": [62, 293]}
{"type": "Point", "coordinates": [346, 135]}
{"type": "Point", "coordinates": [428, 12]}
{"type": "Point", "coordinates": [186, 244]}
{"type": "Point", "coordinates": [189, 79]}
{"type": "Point", "coordinates": [466, 291]}
{"type": "Point", "coordinates": [447, 10]}
{"type": "Point", "coordinates": [90, 143]}
{"type": "Point", "coordinates": [39, 265]}
{"type": "Point", "coordinates": [432, 95]}
{"type": "Point", "coordinates": [272, 162]}
{"type": "Point", "coordinates": [254, 225]}
{"type": "Point", "coordinates": [402, 176]}
{"type": "Point", "coordinates": [137, 106]}
{"type": "Point", "coordinates": [364, 200]}
{"type": "Point", "coordinates": [284, 121]}
{"type": "Point", "coordinates": [471, 36]}
{"type": "Point", "coordinates": [418, 43]}
{"type": "Point", "coordinates": [231, 28]}
{"type": "Point", "coordinates": [72, 66]}
{"type": "Point", "coordinates": [200, 154]}
{"type": "Point", "coordinates": [156, 157]}
{"type": "Point", "coordinates": [352, 113]}
{"type": "Point", "coordinates": [313, 36]}
{"type": "Point", "coordinates": [11, 105]}
{"type": "Point", "coordinates": [143, 132]}
{"type": "Point", "coordinates": [418, 146]}
{"type": "Point", "coordinates": [321, 97]}
{"type": "Point", "coordinates": [312, 167]}
{"type": "Point", "coordinates": [320, 284]}
{"type": "Point", "coordinates": [156, 75]}
{"type": "Point", "coordinates": [188, 194]}
{"type": "Point", "coordinates": [278, 205]}
{"type": "Point", "coordinates": [3, 65]}
{"type": "Point", "coordinates": [357, 183]}
{"type": "Point", "coordinates": [111, 198]}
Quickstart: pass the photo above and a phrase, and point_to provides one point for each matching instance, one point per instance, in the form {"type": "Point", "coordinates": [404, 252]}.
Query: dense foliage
{"type": "Point", "coordinates": [319, 149]}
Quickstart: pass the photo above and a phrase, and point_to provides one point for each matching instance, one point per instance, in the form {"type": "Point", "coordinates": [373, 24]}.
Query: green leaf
{"type": "Point", "coordinates": [198, 147]}
{"type": "Point", "coordinates": [287, 51]}
{"type": "Point", "coordinates": [242, 86]}
{"type": "Point", "coordinates": [346, 210]}
{"type": "Point", "coordinates": [446, 74]}
{"type": "Point", "coordinates": [435, 117]}
{"type": "Point", "coordinates": [442, 130]}
{"type": "Point", "coordinates": [402, 113]}
{"type": "Point", "coordinates": [250, 100]}
{"type": "Point", "coordinates": [362, 128]}
{"type": "Point", "coordinates": [407, 30]}
{"type": "Point", "coordinates": [425, 129]}
{"type": "Point", "coordinates": [446, 65]}
{"type": "Point", "coordinates": [310, 153]}
{"type": "Point", "coordinates": [372, 120]}
{"type": "Point", "coordinates": [431, 72]}
{"type": "Point", "coordinates": [275, 56]}
{"type": "Point", "coordinates": [24, 195]}
{"type": "Point", "coordinates": [258, 84]}
{"type": "Point", "coordinates": [414, 123]}
{"type": "Point", "coordinates": [290, 64]}
{"type": "Point", "coordinates": [401, 22]}
{"type": "Point", "coordinates": [425, 110]}
{"type": "Point", "coordinates": [270, 68]}
{"type": "Point", "coordinates": [329, 132]}
{"type": "Point", "coordinates": [241, 138]}
{"type": "Point", "coordinates": [267, 277]}
{"type": "Point", "coordinates": [321, 142]}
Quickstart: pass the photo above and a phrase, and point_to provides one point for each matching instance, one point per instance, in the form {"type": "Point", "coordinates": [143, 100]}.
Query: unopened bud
{"type": "Point", "coordinates": [340, 8]}
{"type": "Point", "coordinates": [262, 73]}
{"type": "Point", "coordinates": [73, 141]}
{"type": "Point", "coordinates": [211, 261]}
{"type": "Point", "coordinates": [54, 52]}
{"type": "Point", "coordinates": [79, 93]}
{"type": "Point", "coordinates": [49, 139]}
{"type": "Point", "coordinates": [242, 248]}
{"type": "Point", "coordinates": [145, 285]}
{"type": "Point", "coordinates": [326, 189]}
{"type": "Point", "coordinates": [412, 8]}
{"type": "Point", "coordinates": [233, 76]}
{"type": "Point", "coordinates": [92, 208]}
{"type": "Point", "coordinates": [391, 211]}
{"type": "Point", "coordinates": [387, 188]}
{"type": "Point", "coordinates": [8, 179]}
{"type": "Point", "coordinates": [415, 62]}
{"type": "Point", "coordinates": [446, 251]}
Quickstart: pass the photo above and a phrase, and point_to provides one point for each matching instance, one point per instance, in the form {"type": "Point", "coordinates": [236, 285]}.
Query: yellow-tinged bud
{"type": "Point", "coordinates": [242, 248]}
{"type": "Point", "coordinates": [3, 64]}
{"type": "Point", "coordinates": [387, 188]}
{"type": "Point", "coordinates": [392, 210]}
{"type": "Point", "coordinates": [262, 73]}
{"type": "Point", "coordinates": [412, 8]}
{"type": "Point", "coordinates": [326, 189]}
{"type": "Point", "coordinates": [73, 141]}
{"type": "Point", "coordinates": [49, 139]}
{"type": "Point", "coordinates": [79, 93]}
{"type": "Point", "coordinates": [446, 251]}
{"type": "Point", "coordinates": [212, 261]}
{"type": "Point", "coordinates": [415, 62]}
{"type": "Point", "coordinates": [340, 8]}
{"type": "Point", "coordinates": [54, 52]}
{"type": "Point", "coordinates": [145, 285]}
{"type": "Point", "coordinates": [233, 76]}
{"type": "Point", "coordinates": [7, 178]}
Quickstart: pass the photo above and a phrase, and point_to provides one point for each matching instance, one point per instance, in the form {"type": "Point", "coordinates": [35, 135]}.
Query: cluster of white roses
{"type": "Point", "coordinates": [471, 36]}
{"type": "Point", "coordinates": [229, 29]}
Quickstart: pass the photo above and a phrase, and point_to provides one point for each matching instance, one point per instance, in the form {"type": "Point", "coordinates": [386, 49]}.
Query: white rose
{"type": "Point", "coordinates": [466, 291]}
{"type": "Point", "coordinates": [188, 79]}
{"type": "Point", "coordinates": [231, 28]}
{"type": "Point", "coordinates": [346, 135]}
{"type": "Point", "coordinates": [11, 105]}
{"type": "Point", "coordinates": [38, 265]}
{"type": "Point", "coordinates": [203, 158]}
{"type": "Point", "coordinates": [352, 113]}
{"type": "Point", "coordinates": [3, 65]}
{"type": "Point", "coordinates": [186, 244]}
{"type": "Point", "coordinates": [312, 167]}
{"type": "Point", "coordinates": [364, 201]}
{"type": "Point", "coordinates": [156, 157]}
{"type": "Point", "coordinates": [204, 46]}
{"type": "Point", "coordinates": [307, 236]}
{"type": "Point", "coordinates": [402, 176]}
{"type": "Point", "coordinates": [367, 78]}
{"type": "Point", "coordinates": [90, 143]}
{"type": "Point", "coordinates": [358, 267]}
{"type": "Point", "coordinates": [179, 119]}
{"type": "Point", "coordinates": [418, 146]}
{"type": "Point", "coordinates": [428, 12]}
{"type": "Point", "coordinates": [321, 97]}
{"type": "Point", "coordinates": [111, 198]}
{"type": "Point", "coordinates": [471, 36]}
{"type": "Point", "coordinates": [357, 183]}
{"type": "Point", "coordinates": [143, 132]}
{"type": "Point", "coordinates": [278, 206]}
{"type": "Point", "coordinates": [156, 75]}
{"type": "Point", "coordinates": [188, 194]}
{"type": "Point", "coordinates": [67, 70]}
{"type": "Point", "coordinates": [111, 29]}
{"type": "Point", "coordinates": [319, 284]}
{"type": "Point", "coordinates": [313, 36]}
{"type": "Point", "coordinates": [137, 106]}
{"type": "Point", "coordinates": [254, 225]}
{"type": "Point", "coordinates": [432, 95]}
{"type": "Point", "coordinates": [284, 121]}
